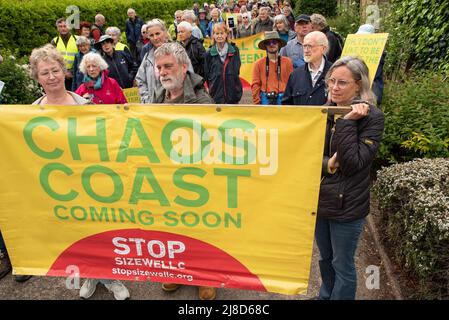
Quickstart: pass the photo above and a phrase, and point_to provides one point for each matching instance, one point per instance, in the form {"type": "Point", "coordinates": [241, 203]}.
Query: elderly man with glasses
{"type": "Point", "coordinates": [306, 85]}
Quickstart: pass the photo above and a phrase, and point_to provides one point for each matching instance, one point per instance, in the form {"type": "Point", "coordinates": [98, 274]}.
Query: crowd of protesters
{"type": "Point", "coordinates": [171, 64]}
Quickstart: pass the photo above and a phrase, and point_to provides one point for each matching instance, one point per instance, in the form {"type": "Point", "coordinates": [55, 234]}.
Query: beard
{"type": "Point", "coordinates": [172, 82]}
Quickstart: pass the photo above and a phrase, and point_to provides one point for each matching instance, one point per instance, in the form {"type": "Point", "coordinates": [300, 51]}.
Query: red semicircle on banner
{"type": "Point", "coordinates": [144, 255]}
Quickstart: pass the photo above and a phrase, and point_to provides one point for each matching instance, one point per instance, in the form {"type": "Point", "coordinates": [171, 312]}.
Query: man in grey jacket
{"type": "Point", "coordinates": [179, 84]}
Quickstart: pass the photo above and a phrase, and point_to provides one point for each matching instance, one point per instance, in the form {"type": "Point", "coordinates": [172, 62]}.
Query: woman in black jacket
{"type": "Point", "coordinates": [194, 47]}
{"type": "Point", "coordinates": [122, 67]}
{"type": "Point", "coordinates": [222, 68]}
{"type": "Point", "coordinates": [351, 144]}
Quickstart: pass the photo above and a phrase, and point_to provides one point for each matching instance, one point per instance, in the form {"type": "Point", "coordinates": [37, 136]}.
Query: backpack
{"type": "Point", "coordinates": [340, 41]}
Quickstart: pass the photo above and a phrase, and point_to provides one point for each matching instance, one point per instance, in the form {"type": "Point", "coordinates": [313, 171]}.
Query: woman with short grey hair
{"type": "Point", "coordinates": [282, 26]}
{"type": "Point", "coordinates": [344, 199]}
{"type": "Point", "coordinates": [48, 68]}
{"type": "Point", "coordinates": [97, 87]}
{"type": "Point", "coordinates": [245, 28]}
{"type": "Point", "coordinates": [84, 47]}
{"type": "Point", "coordinates": [116, 35]}
{"type": "Point", "coordinates": [147, 80]}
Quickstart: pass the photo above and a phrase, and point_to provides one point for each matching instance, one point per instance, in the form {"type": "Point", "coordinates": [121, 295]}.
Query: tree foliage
{"type": "Point", "coordinates": [29, 24]}
{"type": "Point", "coordinates": [419, 35]}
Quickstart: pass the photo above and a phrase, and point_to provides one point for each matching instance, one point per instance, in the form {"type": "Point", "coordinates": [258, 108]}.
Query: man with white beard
{"type": "Point", "coordinates": [179, 85]}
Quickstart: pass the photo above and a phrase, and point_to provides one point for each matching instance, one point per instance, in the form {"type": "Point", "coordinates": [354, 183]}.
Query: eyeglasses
{"type": "Point", "coordinates": [342, 84]}
{"type": "Point", "coordinates": [310, 47]}
{"type": "Point", "coordinates": [46, 74]}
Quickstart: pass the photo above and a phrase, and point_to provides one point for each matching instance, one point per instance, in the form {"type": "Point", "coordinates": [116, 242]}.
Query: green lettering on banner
{"type": "Point", "coordinates": [168, 215]}
{"type": "Point", "coordinates": [55, 211]}
{"type": "Point", "coordinates": [232, 190]}
{"type": "Point", "coordinates": [147, 149]}
{"type": "Point", "coordinates": [196, 219]}
{"type": "Point", "coordinates": [249, 148]}
{"type": "Point", "coordinates": [94, 214]}
{"type": "Point", "coordinates": [44, 176]}
{"type": "Point", "coordinates": [149, 220]}
{"type": "Point", "coordinates": [28, 136]}
{"type": "Point", "coordinates": [203, 193]}
{"type": "Point", "coordinates": [117, 181]}
{"type": "Point", "coordinates": [229, 218]}
{"type": "Point", "coordinates": [189, 124]}
{"type": "Point", "coordinates": [215, 216]}
{"type": "Point", "coordinates": [99, 139]}
{"type": "Point", "coordinates": [137, 195]}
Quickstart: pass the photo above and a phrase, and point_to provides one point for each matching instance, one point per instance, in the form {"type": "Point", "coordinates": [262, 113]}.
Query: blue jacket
{"type": "Point", "coordinates": [133, 29]}
{"type": "Point", "coordinates": [78, 76]}
{"type": "Point", "coordinates": [223, 78]}
{"type": "Point", "coordinates": [299, 90]}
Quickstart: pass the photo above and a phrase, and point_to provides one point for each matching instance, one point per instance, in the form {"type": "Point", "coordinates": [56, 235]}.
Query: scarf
{"type": "Point", "coordinates": [93, 84]}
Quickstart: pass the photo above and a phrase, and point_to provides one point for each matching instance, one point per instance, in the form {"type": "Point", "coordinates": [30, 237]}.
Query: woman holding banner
{"type": "Point", "coordinates": [351, 144]}
{"type": "Point", "coordinates": [48, 68]}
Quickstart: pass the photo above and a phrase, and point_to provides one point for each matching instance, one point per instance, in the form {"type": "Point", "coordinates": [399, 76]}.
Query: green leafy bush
{"type": "Point", "coordinates": [347, 20]}
{"type": "Point", "coordinates": [29, 24]}
{"type": "Point", "coordinates": [19, 87]}
{"type": "Point", "coordinates": [419, 35]}
{"type": "Point", "coordinates": [414, 205]}
{"type": "Point", "coordinates": [327, 8]}
{"type": "Point", "coordinates": [416, 118]}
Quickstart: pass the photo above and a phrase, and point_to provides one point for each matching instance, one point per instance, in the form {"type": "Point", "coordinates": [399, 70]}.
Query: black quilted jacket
{"type": "Point", "coordinates": [344, 195]}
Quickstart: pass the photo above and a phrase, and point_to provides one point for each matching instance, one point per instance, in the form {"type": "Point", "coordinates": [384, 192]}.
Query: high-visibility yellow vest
{"type": "Point", "coordinates": [68, 52]}
{"type": "Point", "coordinates": [121, 46]}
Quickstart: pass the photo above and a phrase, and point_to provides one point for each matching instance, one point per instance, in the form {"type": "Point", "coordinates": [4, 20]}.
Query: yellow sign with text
{"type": "Point", "coordinates": [132, 95]}
{"type": "Point", "coordinates": [181, 194]}
{"type": "Point", "coordinates": [369, 47]}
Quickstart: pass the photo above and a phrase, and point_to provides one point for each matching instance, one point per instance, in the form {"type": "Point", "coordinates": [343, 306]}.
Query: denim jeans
{"type": "Point", "coordinates": [2, 244]}
{"type": "Point", "coordinates": [337, 243]}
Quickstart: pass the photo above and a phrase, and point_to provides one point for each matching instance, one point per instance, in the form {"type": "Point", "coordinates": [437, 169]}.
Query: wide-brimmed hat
{"type": "Point", "coordinates": [103, 38]}
{"type": "Point", "coordinates": [271, 35]}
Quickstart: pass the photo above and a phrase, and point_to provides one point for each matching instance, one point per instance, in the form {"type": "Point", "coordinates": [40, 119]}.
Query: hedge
{"type": "Point", "coordinates": [416, 118]}
{"type": "Point", "coordinates": [26, 25]}
{"type": "Point", "coordinates": [327, 8]}
{"type": "Point", "coordinates": [414, 204]}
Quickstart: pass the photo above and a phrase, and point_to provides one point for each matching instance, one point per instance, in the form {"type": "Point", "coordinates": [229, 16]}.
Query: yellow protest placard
{"type": "Point", "coordinates": [132, 95]}
{"type": "Point", "coordinates": [181, 194]}
{"type": "Point", "coordinates": [369, 47]}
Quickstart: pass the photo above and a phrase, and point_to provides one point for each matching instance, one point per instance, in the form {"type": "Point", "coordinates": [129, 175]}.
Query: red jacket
{"type": "Point", "coordinates": [110, 92]}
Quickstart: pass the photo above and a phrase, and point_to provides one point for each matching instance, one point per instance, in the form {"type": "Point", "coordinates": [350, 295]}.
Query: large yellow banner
{"type": "Point", "coordinates": [369, 47]}
{"type": "Point", "coordinates": [249, 53]}
{"type": "Point", "coordinates": [183, 194]}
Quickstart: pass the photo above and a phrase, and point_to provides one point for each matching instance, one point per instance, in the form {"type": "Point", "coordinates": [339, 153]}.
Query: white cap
{"type": "Point", "coordinates": [365, 29]}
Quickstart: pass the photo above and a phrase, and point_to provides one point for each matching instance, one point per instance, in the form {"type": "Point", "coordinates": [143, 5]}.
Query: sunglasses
{"type": "Point", "coordinates": [272, 42]}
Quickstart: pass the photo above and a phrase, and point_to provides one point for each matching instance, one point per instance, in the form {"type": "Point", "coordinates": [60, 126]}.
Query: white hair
{"type": "Point", "coordinates": [185, 25]}
{"type": "Point", "coordinates": [189, 14]}
{"type": "Point", "coordinates": [99, 17]}
{"type": "Point", "coordinates": [175, 49]}
{"type": "Point", "coordinates": [95, 58]}
{"type": "Point", "coordinates": [82, 40]}
{"type": "Point", "coordinates": [114, 31]}
{"type": "Point", "coordinates": [130, 10]}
